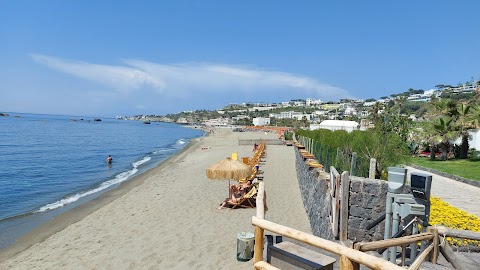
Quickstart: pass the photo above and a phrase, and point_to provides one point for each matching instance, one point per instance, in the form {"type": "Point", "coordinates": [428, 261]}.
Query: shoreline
{"type": "Point", "coordinates": [168, 218]}
{"type": "Point", "coordinates": [63, 220]}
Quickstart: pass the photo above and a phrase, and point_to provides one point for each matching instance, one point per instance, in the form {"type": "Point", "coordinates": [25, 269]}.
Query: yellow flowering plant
{"type": "Point", "coordinates": [442, 213]}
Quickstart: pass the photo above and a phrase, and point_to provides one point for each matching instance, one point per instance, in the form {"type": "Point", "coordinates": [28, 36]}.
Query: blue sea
{"type": "Point", "coordinates": [50, 164]}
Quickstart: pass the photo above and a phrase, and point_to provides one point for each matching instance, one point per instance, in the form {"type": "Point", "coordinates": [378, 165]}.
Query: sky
{"type": "Point", "coordinates": [108, 58]}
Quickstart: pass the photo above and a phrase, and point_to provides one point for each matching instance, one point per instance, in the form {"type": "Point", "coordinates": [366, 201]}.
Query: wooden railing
{"type": "Point", "coordinates": [447, 251]}
{"type": "Point", "coordinates": [350, 259]}
{"type": "Point", "coordinates": [432, 235]}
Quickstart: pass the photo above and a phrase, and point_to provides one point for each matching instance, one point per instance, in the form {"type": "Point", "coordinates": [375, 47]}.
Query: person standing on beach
{"type": "Point", "coordinates": [109, 159]}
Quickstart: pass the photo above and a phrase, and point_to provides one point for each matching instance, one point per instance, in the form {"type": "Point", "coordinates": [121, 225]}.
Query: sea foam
{"type": "Point", "coordinates": [121, 177]}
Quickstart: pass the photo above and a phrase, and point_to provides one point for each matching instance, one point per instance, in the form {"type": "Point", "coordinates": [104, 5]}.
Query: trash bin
{"type": "Point", "coordinates": [245, 246]}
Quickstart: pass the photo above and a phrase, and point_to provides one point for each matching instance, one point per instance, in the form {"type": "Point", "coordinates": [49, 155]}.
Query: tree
{"type": "Point", "coordinates": [440, 107]}
{"type": "Point", "coordinates": [384, 97]}
{"type": "Point", "coordinates": [370, 100]}
{"type": "Point", "coordinates": [374, 112]}
{"type": "Point", "coordinates": [443, 130]}
{"type": "Point", "coordinates": [305, 122]}
{"type": "Point", "coordinates": [464, 121]}
{"type": "Point", "coordinates": [399, 103]}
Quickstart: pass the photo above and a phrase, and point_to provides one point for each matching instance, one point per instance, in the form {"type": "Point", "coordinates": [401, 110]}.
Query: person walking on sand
{"type": "Point", "coordinates": [109, 159]}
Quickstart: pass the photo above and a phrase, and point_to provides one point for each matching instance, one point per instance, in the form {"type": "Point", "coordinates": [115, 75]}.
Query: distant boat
{"type": "Point", "coordinates": [97, 119]}
{"type": "Point", "coordinates": [147, 122]}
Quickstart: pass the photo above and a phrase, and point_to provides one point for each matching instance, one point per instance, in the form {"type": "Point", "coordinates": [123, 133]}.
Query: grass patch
{"type": "Point", "coordinates": [465, 168]}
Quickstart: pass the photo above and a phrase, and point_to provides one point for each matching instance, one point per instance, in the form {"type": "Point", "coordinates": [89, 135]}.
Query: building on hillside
{"type": "Point", "coordinates": [299, 103]}
{"type": "Point", "coordinates": [418, 97]}
{"type": "Point", "coordinates": [261, 108]}
{"type": "Point", "coordinates": [218, 122]}
{"type": "Point", "coordinates": [333, 125]}
{"type": "Point", "coordinates": [285, 115]}
{"type": "Point", "coordinates": [261, 121]}
{"type": "Point", "coordinates": [320, 112]}
{"type": "Point", "coordinates": [364, 113]}
{"type": "Point", "coordinates": [309, 117]}
{"type": "Point", "coordinates": [329, 107]}
{"type": "Point", "coordinates": [313, 102]}
{"type": "Point", "coordinates": [240, 117]}
{"type": "Point", "coordinates": [350, 111]}
{"type": "Point", "coordinates": [366, 124]}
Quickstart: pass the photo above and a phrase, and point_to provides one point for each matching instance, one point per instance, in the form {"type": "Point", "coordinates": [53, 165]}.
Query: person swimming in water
{"type": "Point", "coordinates": [109, 159]}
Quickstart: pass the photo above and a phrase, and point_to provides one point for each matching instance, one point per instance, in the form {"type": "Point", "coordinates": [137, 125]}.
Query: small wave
{"type": "Point", "coordinates": [140, 162]}
{"type": "Point", "coordinates": [163, 151]}
{"type": "Point", "coordinates": [117, 180]}
{"type": "Point", "coordinates": [181, 141]}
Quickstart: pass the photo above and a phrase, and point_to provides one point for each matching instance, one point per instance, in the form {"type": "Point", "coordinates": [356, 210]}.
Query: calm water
{"type": "Point", "coordinates": [49, 164]}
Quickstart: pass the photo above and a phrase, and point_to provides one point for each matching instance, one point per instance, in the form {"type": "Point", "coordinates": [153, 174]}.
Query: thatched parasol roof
{"type": "Point", "coordinates": [228, 169]}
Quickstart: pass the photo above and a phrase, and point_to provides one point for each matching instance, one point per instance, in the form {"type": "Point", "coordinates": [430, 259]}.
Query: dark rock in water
{"type": "Point", "coordinates": [97, 119]}
{"type": "Point", "coordinates": [3, 114]}
{"type": "Point", "coordinates": [147, 122]}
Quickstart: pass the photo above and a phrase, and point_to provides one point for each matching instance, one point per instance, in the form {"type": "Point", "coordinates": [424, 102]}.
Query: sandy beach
{"type": "Point", "coordinates": [166, 218]}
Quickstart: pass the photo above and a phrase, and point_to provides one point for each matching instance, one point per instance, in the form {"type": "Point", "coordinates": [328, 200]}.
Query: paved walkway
{"type": "Point", "coordinates": [463, 196]}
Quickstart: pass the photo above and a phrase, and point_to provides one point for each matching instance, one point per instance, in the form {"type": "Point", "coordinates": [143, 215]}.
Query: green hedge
{"type": "Point", "coordinates": [336, 148]}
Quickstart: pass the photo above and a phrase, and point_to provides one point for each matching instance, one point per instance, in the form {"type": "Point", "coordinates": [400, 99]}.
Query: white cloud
{"type": "Point", "coordinates": [188, 78]}
{"type": "Point", "coordinates": [123, 79]}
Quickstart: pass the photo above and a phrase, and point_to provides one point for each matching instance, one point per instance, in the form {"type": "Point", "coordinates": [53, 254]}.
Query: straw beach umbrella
{"type": "Point", "coordinates": [228, 169]}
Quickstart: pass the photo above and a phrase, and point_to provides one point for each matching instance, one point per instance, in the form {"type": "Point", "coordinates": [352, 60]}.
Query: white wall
{"type": "Point", "coordinates": [261, 121]}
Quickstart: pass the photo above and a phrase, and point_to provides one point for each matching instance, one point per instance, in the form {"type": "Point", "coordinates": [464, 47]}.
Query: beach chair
{"type": "Point", "coordinates": [247, 201]}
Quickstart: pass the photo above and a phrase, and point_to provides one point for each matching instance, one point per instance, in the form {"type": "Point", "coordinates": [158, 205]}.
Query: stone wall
{"type": "Point", "coordinates": [366, 202]}
{"type": "Point", "coordinates": [315, 199]}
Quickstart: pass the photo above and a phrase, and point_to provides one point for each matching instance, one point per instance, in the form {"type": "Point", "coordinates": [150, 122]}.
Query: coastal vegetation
{"type": "Point", "coordinates": [337, 147]}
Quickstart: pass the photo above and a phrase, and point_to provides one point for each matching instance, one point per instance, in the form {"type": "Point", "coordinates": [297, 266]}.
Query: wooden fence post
{"type": "Point", "coordinates": [373, 168]}
{"type": "Point", "coordinates": [347, 264]}
{"type": "Point", "coordinates": [345, 194]}
{"type": "Point", "coordinates": [260, 203]}
{"type": "Point", "coordinates": [434, 254]}
{"type": "Point", "coordinates": [353, 163]}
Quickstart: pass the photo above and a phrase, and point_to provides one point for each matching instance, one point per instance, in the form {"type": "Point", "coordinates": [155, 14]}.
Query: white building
{"type": "Point", "coordinates": [333, 125]}
{"type": "Point", "coordinates": [284, 115]}
{"type": "Point", "coordinates": [350, 111]}
{"type": "Point", "coordinates": [261, 121]}
{"type": "Point", "coordinates": [218, 122]}
{"type": "Point", "coordinates": [261, 108]}
{"type": "Point", "coordinates": [312, 101]}
{"type": "Point", "coordinates": [299, 103]}
{"type": "Point", "coordinates": [300, 116]}
{"type": "Point", "coordinates": [320, 112]}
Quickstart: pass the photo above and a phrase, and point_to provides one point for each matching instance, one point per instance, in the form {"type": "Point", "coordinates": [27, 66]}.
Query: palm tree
{"type": "Point", "coordinates": [444, 131]}
{"type": "Point", "coordinates": [444, 107]}
{"type": "Point", "coordinates": [464, 121]}
{"type": "Point", "coordinates": [374, 111]}
{"type": "Point", "coordinates": [400, 102]}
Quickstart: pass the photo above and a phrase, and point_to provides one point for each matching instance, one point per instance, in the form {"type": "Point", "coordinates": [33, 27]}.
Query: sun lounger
{"type": "Point", "coordinates": [247, 200]}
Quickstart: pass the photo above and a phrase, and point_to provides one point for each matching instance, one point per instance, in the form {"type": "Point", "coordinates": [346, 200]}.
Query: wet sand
{"type": "Point", "coordinates": [166, 218]}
